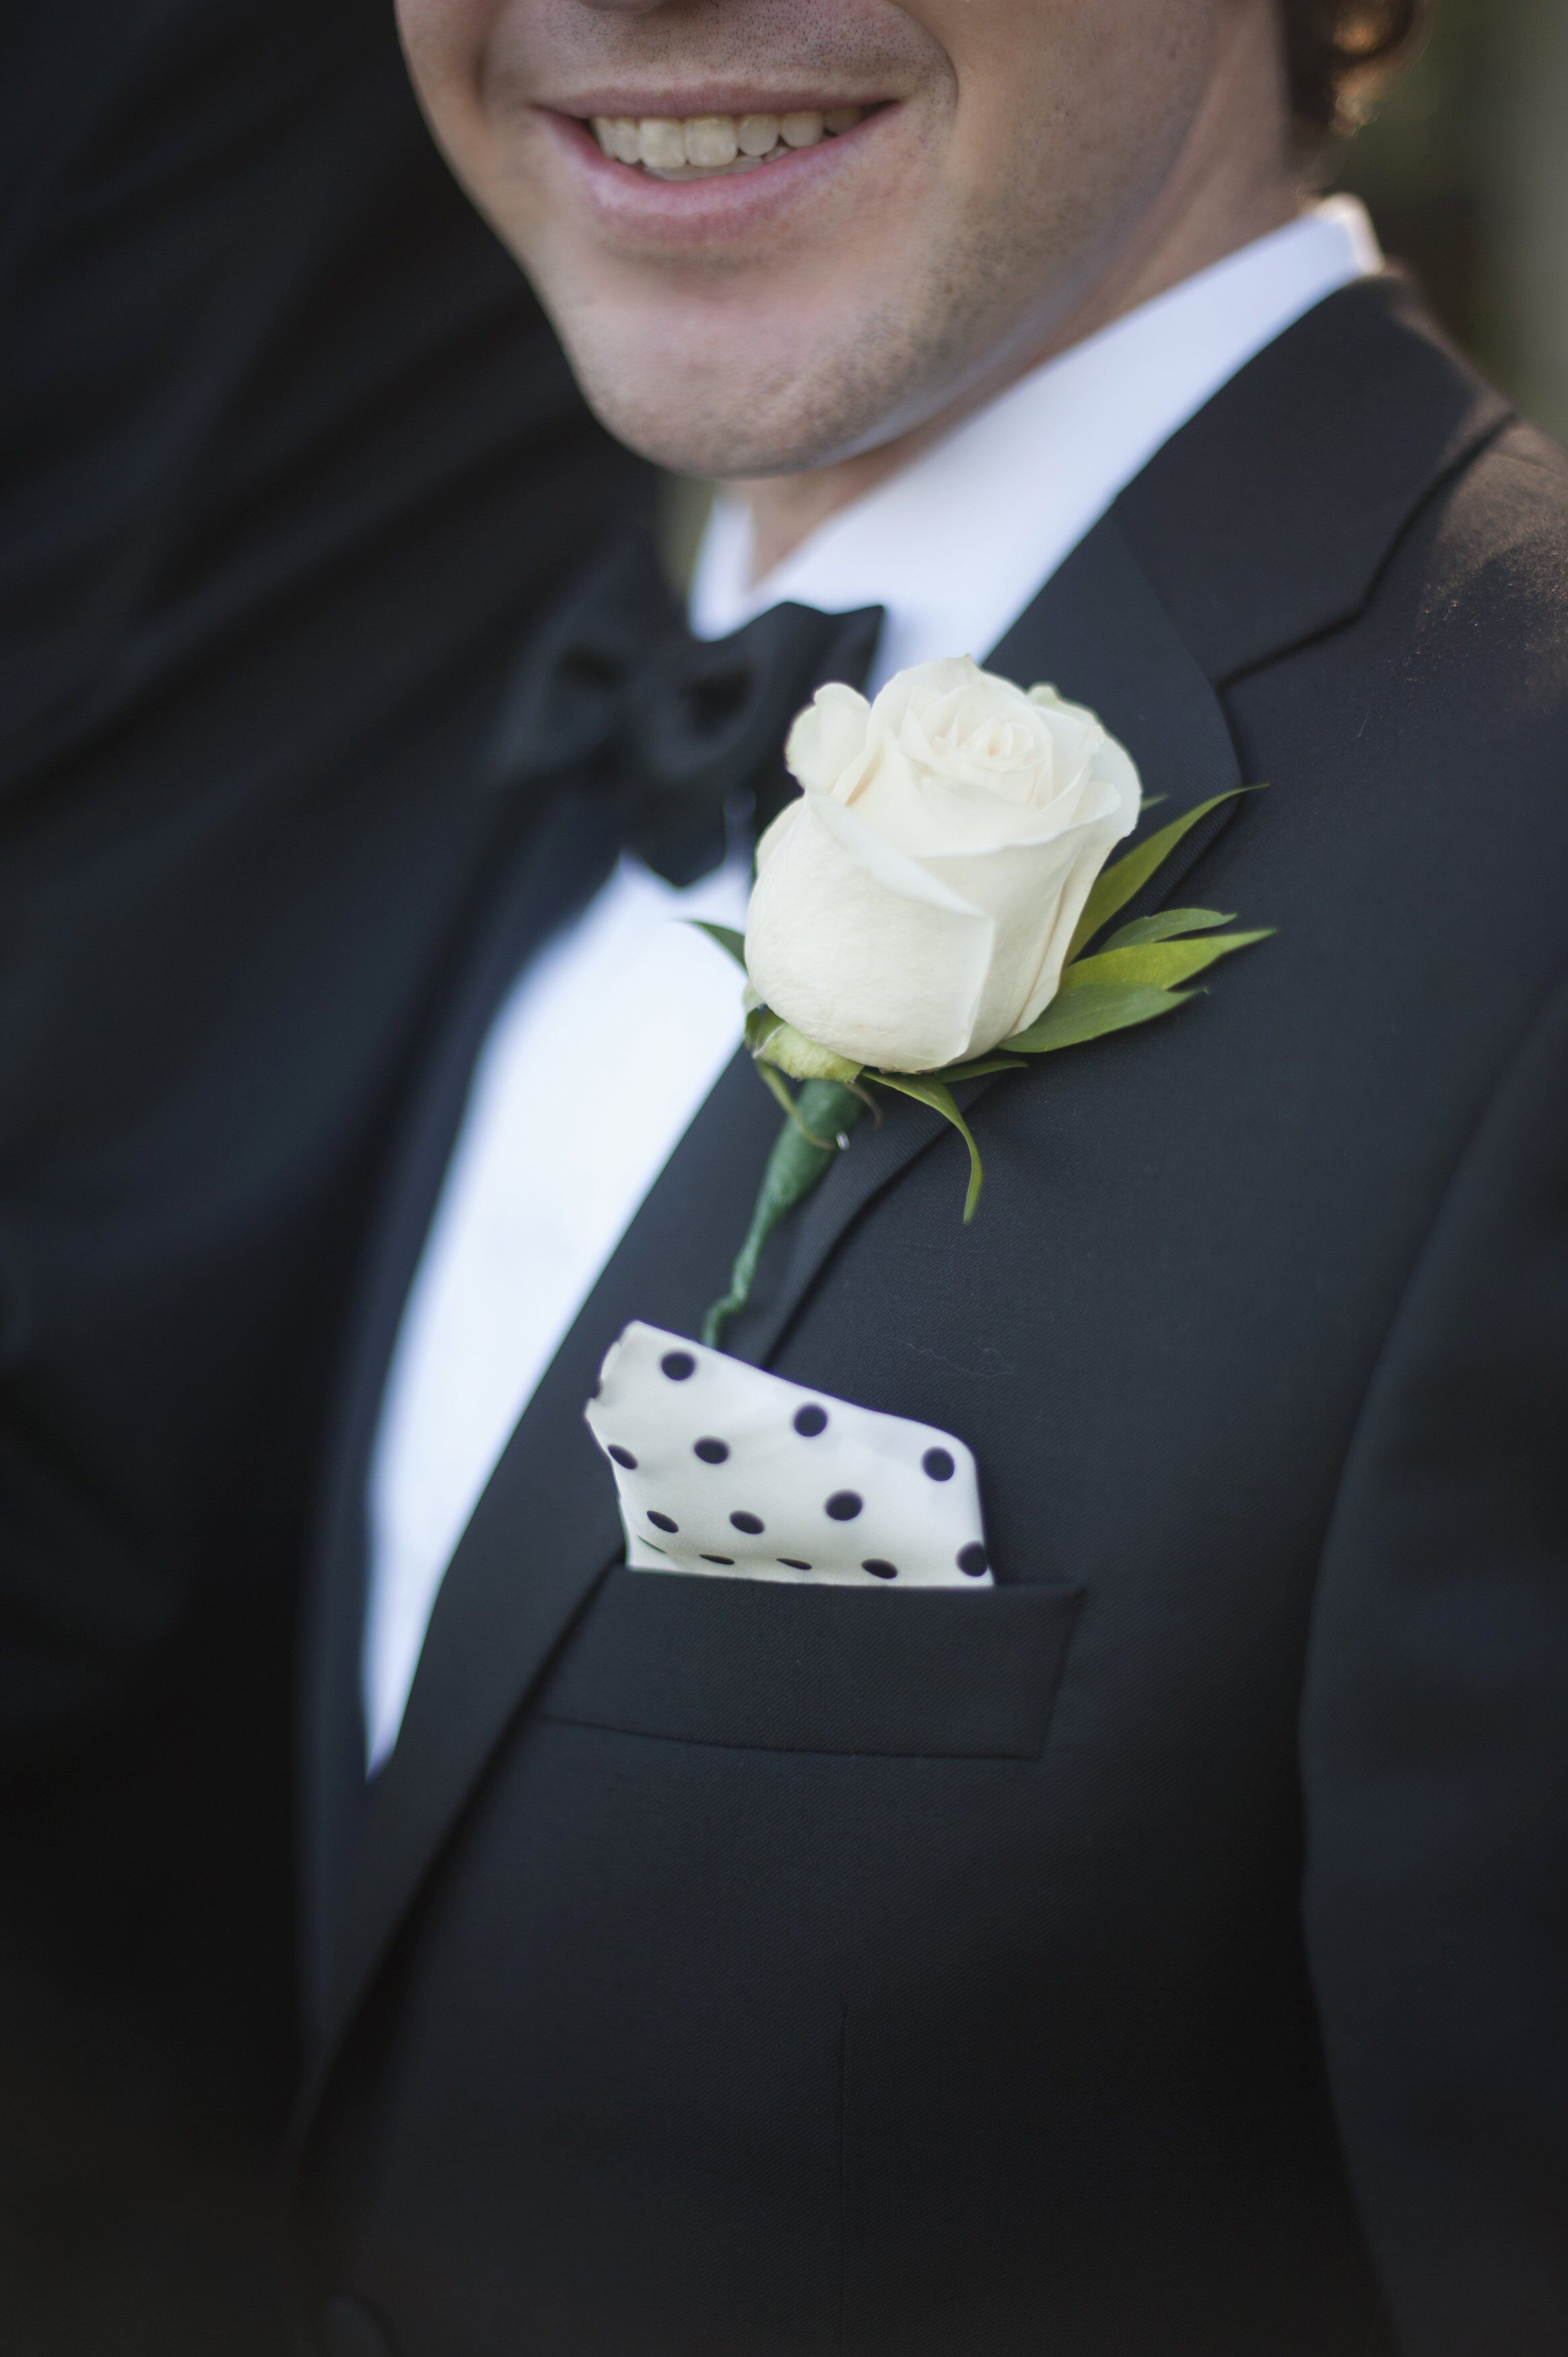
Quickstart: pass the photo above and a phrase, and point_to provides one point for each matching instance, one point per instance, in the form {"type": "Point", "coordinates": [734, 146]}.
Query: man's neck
{"type": "Point", "coordinates": [1221, 197]}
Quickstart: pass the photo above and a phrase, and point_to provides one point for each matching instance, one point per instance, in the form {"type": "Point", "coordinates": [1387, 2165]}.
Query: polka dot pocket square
{"type": "Point", "coordinates": [724, 1467]}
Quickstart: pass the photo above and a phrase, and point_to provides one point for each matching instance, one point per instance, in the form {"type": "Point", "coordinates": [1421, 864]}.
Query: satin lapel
{"type": "Point", "coordinates": [1098, 632]}
{"type": "Point", "coordinates": [544, 1531]}
{"type": "Point", "coordinates": [546, 870]}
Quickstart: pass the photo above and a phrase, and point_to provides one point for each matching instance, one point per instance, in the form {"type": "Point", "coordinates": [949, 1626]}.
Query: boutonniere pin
{"type": "Point", "coordinates": [930, 907]}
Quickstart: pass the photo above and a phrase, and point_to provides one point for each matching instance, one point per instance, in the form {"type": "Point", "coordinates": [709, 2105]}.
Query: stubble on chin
{"type": "Point", "coordinates": [763, 403]}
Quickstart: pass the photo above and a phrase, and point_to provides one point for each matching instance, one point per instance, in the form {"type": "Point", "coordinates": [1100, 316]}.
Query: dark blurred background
{"type": "Point", "coordinates": [290, 468]}
{"type": "Point", "coordinates": [1465, 167]}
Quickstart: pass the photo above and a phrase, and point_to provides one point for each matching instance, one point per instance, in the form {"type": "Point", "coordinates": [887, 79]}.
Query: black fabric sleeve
{"type": "Point", "coordinates": [1435, 1744]}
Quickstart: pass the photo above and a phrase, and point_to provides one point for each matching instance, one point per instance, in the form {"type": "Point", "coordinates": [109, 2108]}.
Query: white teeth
{"type": "Point", "coordinates": [710, 140]}
{"type": "Point", "coordinates": [663, 141]}
{"type": "Point", "coordinates": [676, 147]}
{"type": "Point", "coordinates": [618, 135]}
{"type": "Point", "coordinates": [755, 135]}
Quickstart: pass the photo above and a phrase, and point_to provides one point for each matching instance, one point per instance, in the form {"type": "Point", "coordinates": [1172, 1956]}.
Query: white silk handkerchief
{"type": "Point", "coordinates": [724, 1467]}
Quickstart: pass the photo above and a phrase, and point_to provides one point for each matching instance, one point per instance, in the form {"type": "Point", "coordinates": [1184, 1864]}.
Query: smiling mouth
{"type": "Point", "coordinates": [706, 147]}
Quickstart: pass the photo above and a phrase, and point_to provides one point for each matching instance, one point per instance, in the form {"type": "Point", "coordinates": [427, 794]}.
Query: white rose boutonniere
{"type": "Point", "coordinates": [915, 905]}
{"type": "Point", "coordinates": [922, 912]}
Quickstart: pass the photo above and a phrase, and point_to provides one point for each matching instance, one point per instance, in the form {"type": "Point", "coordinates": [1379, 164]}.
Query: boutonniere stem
{"type": "Point", "coordinates": [817, 1127]}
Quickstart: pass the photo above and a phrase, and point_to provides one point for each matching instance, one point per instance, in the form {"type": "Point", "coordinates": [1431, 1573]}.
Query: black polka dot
{"type": "Point", "coordinates": [937, 1464]}
{"type": "Point", "coordinates": [793, 1562]}
{"type": "Point", "coordinates": [663, 1522]}
{"type": "Point", "coordinates": [809, 1421]}
{"type": "Point", "coordinates": [624, 1456]}
{"type": "Point", "coordinates": [750, 1523]}
{"type": "Point", "coordinates": [843, 1506]}
{"type": "Point", "coordinates": [718, 1558]}
{"type": "Point", "coordinates": [712, 1452]}
{"type": "Point", "coordinates": [972, 1559]}
{"type": "Point", "coordinates": [878, 1569]}
{"type": "Point", "coordinates": [678, 1365]}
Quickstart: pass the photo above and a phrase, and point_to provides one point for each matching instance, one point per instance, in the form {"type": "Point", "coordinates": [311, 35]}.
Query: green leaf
{"type": "Point", "coordinates": [953, 1073]}
{"type": "Point", "coordinates": [1115, 884]}
{"type": "Point", "coordinates": [1088, 1013]}
{"type": "Point", "coordinates": [760, 1024]}
{"type": "Point", "coordinates": [1162, 965]}
{"type": "Point", "coordinates": [726, 936]}
{"type": "Point", "coordinates": [797, 1164]}
{"type": "Point", "coordinates": [932, 1093]}
{"type": "Point", "coordinates": [1166, 922]}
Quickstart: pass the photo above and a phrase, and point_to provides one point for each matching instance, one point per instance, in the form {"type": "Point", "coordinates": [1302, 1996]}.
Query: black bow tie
{"type": "Point", "coordinates": [617, 695]}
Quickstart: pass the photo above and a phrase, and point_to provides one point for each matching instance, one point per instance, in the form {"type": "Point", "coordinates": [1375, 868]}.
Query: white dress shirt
{"type": "Point", "coordinates": [623, 1024]}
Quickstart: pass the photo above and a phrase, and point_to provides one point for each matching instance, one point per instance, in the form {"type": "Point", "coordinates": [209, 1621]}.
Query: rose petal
{"type": "Point", "coordinates": [828, 737]}
{"type": "Point", "coordinates": [862, 948]}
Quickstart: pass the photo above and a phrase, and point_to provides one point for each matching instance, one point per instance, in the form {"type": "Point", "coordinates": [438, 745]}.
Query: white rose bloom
{"type": "Point", "coordinates": [914, 907]}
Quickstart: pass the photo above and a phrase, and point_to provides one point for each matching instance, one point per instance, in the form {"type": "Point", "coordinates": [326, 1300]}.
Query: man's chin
{"type": "Point", "coordinates": [699, 429]}
{"type": "Point", "coordinates": [783, 411]}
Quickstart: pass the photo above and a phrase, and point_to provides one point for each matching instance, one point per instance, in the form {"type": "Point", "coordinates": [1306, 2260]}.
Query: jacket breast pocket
{"type": "Point", "coordinates": [924, 1673]}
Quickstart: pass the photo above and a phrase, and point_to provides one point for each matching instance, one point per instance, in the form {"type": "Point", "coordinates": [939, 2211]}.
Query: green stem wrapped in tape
{"type": "Point", "coordinates": [824, 1110]}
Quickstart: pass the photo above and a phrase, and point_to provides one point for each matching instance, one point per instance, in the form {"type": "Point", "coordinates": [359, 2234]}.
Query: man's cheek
{"type": "Point", "coordinates": [1005, 35]}
{"type": "Point", "coordinates": [445, 42]}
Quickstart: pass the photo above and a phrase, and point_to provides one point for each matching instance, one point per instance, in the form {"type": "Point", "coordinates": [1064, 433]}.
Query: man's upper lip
{"type": "Point", "coordinates": [707, 98]}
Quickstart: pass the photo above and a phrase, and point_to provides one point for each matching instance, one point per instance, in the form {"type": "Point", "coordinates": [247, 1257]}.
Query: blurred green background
{"type": "Point", "coordinates": [1465, 167]}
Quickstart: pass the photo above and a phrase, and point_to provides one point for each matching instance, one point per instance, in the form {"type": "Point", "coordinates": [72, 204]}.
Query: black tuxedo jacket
{"type": "Point", "coordinates": [1163, 1951]}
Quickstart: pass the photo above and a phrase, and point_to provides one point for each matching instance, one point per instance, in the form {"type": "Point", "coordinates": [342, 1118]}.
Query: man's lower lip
{"type": "Point", "coordinates": [698, 212]}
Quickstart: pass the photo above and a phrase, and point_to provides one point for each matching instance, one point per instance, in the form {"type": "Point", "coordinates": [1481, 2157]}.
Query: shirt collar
{"type": "Point", "coordinates": [956, 545]}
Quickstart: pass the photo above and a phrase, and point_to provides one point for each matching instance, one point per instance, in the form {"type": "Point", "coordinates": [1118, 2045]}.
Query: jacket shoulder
{"type": "Point", "coordinates": [1470, 627]}
{"type": "Point", "coordinates": [1463, 639]}
{"type": "Point", "coordinates": [1498, 535]}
